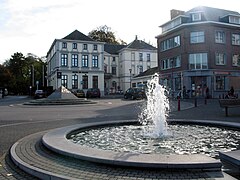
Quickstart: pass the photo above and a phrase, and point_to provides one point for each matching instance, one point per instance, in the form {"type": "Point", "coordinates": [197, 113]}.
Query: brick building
{"type": "Point", "coordinates": [200, 48]}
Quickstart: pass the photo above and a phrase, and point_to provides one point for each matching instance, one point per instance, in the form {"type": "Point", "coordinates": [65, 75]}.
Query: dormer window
{"type": "Point", "coordinates": [234, 19]}
{"type": "Point", "coordinates": [196, 16]}
{"type": "Point", "coordinates": [64, 45]}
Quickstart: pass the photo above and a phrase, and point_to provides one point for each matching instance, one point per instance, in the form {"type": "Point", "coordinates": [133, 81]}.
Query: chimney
{"type": "Point", "coordinates": [136, 38]}
{"type": "Point", "coordinates": [175, 13]}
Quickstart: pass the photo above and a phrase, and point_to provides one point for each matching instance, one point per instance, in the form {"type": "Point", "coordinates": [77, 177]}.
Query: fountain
{"type": "Point", "coordinates": [155, 136]}
{"type": "Point", "coordinates": [146, 142]}
{"type": "Point", "coordinates": [153, 116]}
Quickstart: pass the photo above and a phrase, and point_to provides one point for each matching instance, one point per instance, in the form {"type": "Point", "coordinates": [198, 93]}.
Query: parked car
{"type": "Point", "coordinates": [93, 92]}
{"type": "Point", "coordinates": [39, 94]}
{"type": "Point", "coordinates": [134, 93]}
{"type": "Point", "coordinates": [79, 93]}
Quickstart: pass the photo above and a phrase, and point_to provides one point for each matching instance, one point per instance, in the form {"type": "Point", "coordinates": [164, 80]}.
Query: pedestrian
{"type": "Point", "coordinates": [207, 92]}
{"type": "Point", "coordinates": [231, 93]}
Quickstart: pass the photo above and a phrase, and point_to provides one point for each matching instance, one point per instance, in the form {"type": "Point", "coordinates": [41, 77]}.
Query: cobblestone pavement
{"type": "Point", "coordinates": [31, 150]}
{"type": "Point", "coordinates": [87, 170]}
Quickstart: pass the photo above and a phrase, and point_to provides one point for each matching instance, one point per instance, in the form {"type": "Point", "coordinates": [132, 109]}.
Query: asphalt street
{"type": "Point", "coordinates": [18, 121]}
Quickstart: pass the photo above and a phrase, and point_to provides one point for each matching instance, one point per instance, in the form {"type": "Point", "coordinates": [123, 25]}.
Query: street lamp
{"type": "Point", "coordinates": [130, 71]}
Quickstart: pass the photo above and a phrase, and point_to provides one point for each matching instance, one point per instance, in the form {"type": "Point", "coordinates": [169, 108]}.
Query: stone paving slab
{"type": "Point", "coordinates": [46, 164]}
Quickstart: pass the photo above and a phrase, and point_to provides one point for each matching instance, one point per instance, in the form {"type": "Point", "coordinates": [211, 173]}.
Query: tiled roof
{"type": "Point", "coordinates": [148, 72]}
{"type": "Point", "coordinates": [113, 48]}
{"type": "Point", "coordinates": [211, 14]}
{"type": "Point", "coordinates": [139, 44]}
{"type": "Point", "coordinates": [77, 35]}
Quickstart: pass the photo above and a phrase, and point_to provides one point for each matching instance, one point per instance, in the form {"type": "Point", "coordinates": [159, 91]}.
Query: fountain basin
{"type": "Point", "coordinates": [57, 141]}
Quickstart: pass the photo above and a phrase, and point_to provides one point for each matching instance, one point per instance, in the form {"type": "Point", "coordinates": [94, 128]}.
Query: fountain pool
{"type": "Point", "coordinates": [185, 139]}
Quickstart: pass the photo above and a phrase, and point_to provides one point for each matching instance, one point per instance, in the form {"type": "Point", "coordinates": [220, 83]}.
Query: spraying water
{"type": "Point", "coordinates": [154, 115]}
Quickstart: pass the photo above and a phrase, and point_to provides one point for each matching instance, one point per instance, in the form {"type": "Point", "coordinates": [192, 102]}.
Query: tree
{"type": "Point", "coordinates": [104, 34]}
{"type": "Point", "coordinates": [23, 72]}
{"type": "Point", "coordinates": [5, 76]}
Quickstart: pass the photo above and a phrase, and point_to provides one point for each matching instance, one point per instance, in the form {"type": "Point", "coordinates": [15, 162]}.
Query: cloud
{"type": "Point", "coordinates": [30, 26]}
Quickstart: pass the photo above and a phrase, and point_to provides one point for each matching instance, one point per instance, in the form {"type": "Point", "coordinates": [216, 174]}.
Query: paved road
{"type": "Point", "coordinates": [17, 120]}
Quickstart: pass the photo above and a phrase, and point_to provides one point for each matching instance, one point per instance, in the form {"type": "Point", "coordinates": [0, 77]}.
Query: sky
{"type": "Point", "coordinates": [30, 26]}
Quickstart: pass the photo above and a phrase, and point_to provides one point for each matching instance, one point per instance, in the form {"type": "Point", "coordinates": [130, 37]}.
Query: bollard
{"type": "Point", "coordinates": [179, 104]}
{"type": "Point", "coordinates": [205, 101]}
{"type": "Point", "coordinates": [195, 101]}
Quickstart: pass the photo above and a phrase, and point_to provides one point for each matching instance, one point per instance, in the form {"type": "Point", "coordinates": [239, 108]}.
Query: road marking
{"type": "Point", "coordinates": [16, 124]}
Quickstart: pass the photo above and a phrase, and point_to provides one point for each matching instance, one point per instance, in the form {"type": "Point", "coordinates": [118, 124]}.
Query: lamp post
{"type": "Point", "coordinates": [130, 71]}
{"type": "Point", "coordinates": [33, 84]}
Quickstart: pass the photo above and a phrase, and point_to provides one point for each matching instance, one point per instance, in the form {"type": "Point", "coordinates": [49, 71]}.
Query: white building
{"type": "Point", "coordinates": [76, 62]}
{"type": "Point", "coordinates": [79, 62]}
{"type": "Point", "coordinates": [122, 63]}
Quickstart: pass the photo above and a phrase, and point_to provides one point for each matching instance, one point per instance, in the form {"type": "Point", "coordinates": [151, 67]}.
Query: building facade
{"type": "Point", "coordinates": [122, 63]}
{"type": "Point", "coordinates": [79, 62]}
{"type": "Point", "coordinates": [200, 48]}
{"type": "Point", "coordinates": [76, 62]}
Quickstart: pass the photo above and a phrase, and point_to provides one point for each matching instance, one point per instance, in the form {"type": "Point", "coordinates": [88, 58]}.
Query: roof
{"type": "Point", "coordinates": [113, 48]}
{"type": "Point", "coordinates": [211, 14]}
{"type": "Point", "coordinates": [139, 44]}
{"type": "Point", "coordinates": [77, 35]}
{"type": "Point", "coordinates": [148, 72]}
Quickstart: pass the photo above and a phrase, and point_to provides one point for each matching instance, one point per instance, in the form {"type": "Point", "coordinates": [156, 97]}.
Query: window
{"type": "Point", "coordinates": [85, 47]}
{"type": "Point", "coordinates": [74, 60]}
{"type": "Point", "coordinates": [74, 81]}
{"type": "Point", "coordinates": [235, 39]}
{"type": "Point", "coordinates": [95, 81]}
{"type": "Point", "coordinates": [171, 63]}
{"type": "Point", "coordinates": [94, 47]}
{"type": "Point", "coordinates": [94, 61]}
{"type": "Point", "coordinates": [220, 59]}
{"type": "Point", "coordinates": [170, 43]}
{"type": "Point", "coordinates": [140, 56]}
{"type": "Point", "coordinates": [64, 45]}
{"type": "Point", "coordinates": [140, 69]}
{"type": "Point", "coordinates": [64, 59]}
{"type": "Point", "coordinates": [85, 82]}
{"type": "Point", "coordinates": [196, 17]}
{"type": "Point", "coordinates": [133, 56]}
{"type": "Point", "coordinates": [197, 37]}
{"type": "Point", "coordinates": [114, 59]}
{"type": "Point", "coordinates": [234, 19]}
{"type": "Point", "coordinates": [148, 57]}
{"type": "Point", "coordinates": [220, 82]}
{"type": "Point", "coordinates": [198, 61]}
{"type": "Point", "coordinates": [220, 37]}
{"type": "Point", "coordinates": [84, 60]}
{"type": "Point", "coordinates": [172, 24]}
{"type": "Point", "coordinates": [64, 80]}
{"type": "Point", "coordinates": [74, 45]}
{"type": "Point", "coordinates": [114, 70]}
{"type": "Point", "coordinates": [236, 60]}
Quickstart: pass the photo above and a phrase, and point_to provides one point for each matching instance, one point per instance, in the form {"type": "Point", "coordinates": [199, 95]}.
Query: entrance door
{"type": "Point", "coordinates": [198, 85]}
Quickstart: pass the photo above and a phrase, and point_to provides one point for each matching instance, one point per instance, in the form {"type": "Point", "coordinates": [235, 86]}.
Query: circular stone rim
{"type": "Point", "coordinates": [56, 140]}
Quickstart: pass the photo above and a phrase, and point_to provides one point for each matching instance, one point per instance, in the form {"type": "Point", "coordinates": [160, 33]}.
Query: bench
{"type": "Point", "coordinates": [229, 103]}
